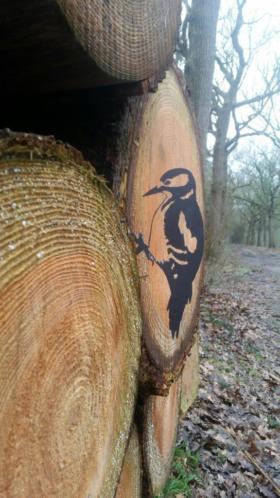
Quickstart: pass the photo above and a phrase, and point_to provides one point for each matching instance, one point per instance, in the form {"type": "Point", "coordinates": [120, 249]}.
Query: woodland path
{"type": "Point", "coordinates": [235, 423]}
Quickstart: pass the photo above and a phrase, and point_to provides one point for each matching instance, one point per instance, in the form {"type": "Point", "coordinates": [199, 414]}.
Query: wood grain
{"type": "Point", "coordinates": [160, 425]}
{"type": "Point", "coordinates": [51, 45]}
{"type": "Point", "coordinates": [162, 140]}
{"type": "Point", "coordinates": [130, 484]}
{"type": "Point", "coordinates": [70, 325]}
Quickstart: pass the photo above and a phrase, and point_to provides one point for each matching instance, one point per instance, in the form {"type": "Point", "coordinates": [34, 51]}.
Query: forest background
{"type": "Point", "coordinates": [233, 78]}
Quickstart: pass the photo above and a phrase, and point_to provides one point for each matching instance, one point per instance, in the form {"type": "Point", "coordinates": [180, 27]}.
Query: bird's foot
{"type": "Point", "coordinates": [140, 244]}
{"type": "Point", "coordinates": [143, 247]}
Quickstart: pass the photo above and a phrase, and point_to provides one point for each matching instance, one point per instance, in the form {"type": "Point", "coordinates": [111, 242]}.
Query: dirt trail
{"type": "Point", "coordinates": [235, 423]}
{"type": "Point", "coordinates": [265, 266]}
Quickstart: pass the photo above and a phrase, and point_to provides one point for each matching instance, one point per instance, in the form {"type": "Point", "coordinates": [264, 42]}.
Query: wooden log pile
{"type": "Point", "coordinates": [99, 275]}
{"type": "Point", "coordinates": [159, 183]}
{"type": "Point", "coordinates": [70, 325]}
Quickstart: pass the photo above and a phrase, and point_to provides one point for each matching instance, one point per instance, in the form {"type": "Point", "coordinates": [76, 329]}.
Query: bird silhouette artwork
{"type": "Point", "coordinates": [184, 239]}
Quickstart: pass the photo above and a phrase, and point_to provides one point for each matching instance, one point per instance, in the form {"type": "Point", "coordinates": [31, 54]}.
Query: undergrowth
{"type": "Point", "coordinates": [184, 473]}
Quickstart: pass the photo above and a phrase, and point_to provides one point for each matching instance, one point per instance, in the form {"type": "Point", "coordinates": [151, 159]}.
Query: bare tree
{"type": "Point", "coordinates": [237, 111]}
{"type": "Point", "coordinates": [196, 49]}
{"type": "Point", "coordinates": [259, 198]}
{"type": "Point", "coordinates": [232, 63]}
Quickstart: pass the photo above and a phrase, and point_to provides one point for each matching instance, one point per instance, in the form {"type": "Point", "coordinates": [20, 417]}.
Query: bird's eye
{"type": "Point", "coordinates": [167, 182]}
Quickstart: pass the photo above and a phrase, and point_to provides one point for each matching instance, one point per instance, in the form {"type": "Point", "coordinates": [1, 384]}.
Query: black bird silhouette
{"type": "Point", "coordinates": [183, 229]}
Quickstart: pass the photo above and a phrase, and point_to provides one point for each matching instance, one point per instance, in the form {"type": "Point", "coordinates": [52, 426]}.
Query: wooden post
{"type": "Point", "coordinates": [69, 325]}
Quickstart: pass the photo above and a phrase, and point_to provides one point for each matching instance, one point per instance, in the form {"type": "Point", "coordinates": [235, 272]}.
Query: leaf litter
{"type": "Point", "coordinates": [234, 424]}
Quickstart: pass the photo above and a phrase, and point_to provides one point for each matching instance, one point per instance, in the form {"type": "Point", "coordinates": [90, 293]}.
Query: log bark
{"type": "Point", "coordinates": [190, 378]}
{"type": "Point", "coordinates": [130, 485]}
{"type": "Point", "coordinates": [160, 426]}
{"type": "Point", "coordinates": [158, 144]}
{"type": "Point", "coordinates": [69, 325]}
{"type": "Point", "coordinates": [50, 45]}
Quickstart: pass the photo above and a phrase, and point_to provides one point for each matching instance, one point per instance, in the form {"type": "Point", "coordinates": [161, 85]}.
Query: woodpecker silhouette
{"type": "Point", "coordinates": [184, 238]}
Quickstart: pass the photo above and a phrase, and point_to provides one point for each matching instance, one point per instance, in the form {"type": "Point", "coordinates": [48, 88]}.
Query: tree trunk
{"type": "Point", "coordinates": [70, 325]}
{"type": "Point", "coordinates": [160, 425]}
{"type": "Point", "coordinates": [270, 232]}
{"type": "Point", "coordinates": [259, 234]}
{"type": "Point", "coordinates": [249, 234]}
{"type": "Point", "coordinates": [167, 224]}
{"type": "Point", "coordinates": [253, 234]}
{"type": "Point", "coordinates": [264, 233]}
{"type": "Point", "coordinates": [130, 484]}
{"type": "Point", "coordinates": [51, 45]}
{"type": "Point", "coordinates": [219, 186]}
{"type": "Point", "coordinates": [200, 67]}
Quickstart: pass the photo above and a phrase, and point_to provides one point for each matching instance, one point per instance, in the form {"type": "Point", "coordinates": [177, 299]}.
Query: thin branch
{"type": "Point", "coordinates": [226, 72]}
{"type": "Point", "coordinates": [257, 98]}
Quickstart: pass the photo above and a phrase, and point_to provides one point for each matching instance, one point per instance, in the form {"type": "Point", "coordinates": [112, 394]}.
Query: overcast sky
{"type": "Point", "coordinates": [272, 6]}
{"type": "Point", "coordinates": [268, 13]}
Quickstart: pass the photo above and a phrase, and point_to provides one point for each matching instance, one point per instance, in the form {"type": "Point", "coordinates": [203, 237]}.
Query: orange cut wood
{"type": "Point", "coordinates": [69, 325]}
{"type": "Point", "coordinates": [51, 45]}
{"type": "Point", "coordinates": [159, 178]}
{"type": "Point", "coordinates": [130, 485]}
{"type": "Point", "coordinates": [160, 426]}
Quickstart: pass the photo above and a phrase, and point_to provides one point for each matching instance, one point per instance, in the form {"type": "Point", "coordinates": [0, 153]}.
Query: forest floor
{"type": "Point", "coordinates": [232, 432]}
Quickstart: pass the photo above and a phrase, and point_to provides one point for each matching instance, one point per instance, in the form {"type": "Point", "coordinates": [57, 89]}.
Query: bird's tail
{"type": "Point", "coordinates": [176, 307]}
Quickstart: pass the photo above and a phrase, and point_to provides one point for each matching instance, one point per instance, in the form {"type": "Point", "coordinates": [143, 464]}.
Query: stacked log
{"type": "Point", "coordinates": [51, 45]}
{"type": "Point", "coordinates": [130, 484]}
{"type": "Point", "coordinates": [159, 168]}
{"type": "Point", "coordinates": [159, 184]}
{"type": "Point", "coordinates": [160, 425]}
{"type": "Point", "coordinates": [70, 325]}
{"type": "Point", "coordinates": [98, 347]}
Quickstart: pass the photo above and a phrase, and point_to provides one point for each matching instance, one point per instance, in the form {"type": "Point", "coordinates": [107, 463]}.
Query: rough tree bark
{"type": "Point", "coordinates": [219, 185]}
{"type": "Point", "coordinates": [199, 68]}
{"type": "Point", "coordinates": [70, 325]}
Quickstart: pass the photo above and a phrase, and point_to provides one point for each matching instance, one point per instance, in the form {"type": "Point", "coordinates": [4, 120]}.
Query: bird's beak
{"type": "Point", "coordinates": [154, 190]}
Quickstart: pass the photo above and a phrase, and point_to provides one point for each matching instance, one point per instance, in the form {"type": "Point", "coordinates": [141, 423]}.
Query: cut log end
{"type": "Point", "coordinates": [70, 326]}
{"type": "Point", "coordinates": [54, 45]}
{"type": "Point", "coordinates": [130, 484]}
{"type": "Point", "coordinates": [160, 425]}
{"type": "Point", "coordinates": [121, 32]}
{"type": "Point", "coordinates": [165, 211]}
